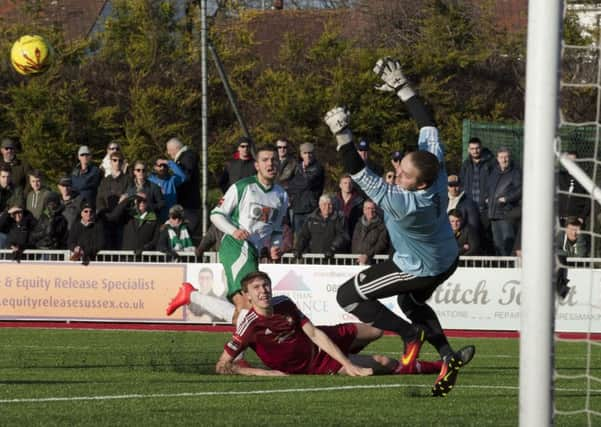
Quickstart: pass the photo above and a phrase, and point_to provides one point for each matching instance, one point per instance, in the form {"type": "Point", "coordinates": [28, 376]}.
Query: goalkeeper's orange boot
{"type": "Point", "coordinates": [412, 349]}
{"type": "Point", "coordinates": [450, 370]}
{"type": "Point", "coordinates": [182, 298]}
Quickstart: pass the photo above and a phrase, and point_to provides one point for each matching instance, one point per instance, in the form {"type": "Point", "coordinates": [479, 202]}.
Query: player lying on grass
{"type": "Point", "coordinates": [288, 343]}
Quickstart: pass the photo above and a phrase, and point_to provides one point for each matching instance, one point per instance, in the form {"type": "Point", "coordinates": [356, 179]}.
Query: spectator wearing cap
{"type": "Point", "coordinates": [70, 200]}
{"type": "Point", "coordinates": [86, 237]}
{"type": "Point", "coordinates": [141, 230]}
{"type": "Point", "coordinates": [8, 192]}
{"type": "Point", "coordinates": [141, 184]}
{"type": "Point", "coordinates": [287, 162]}
{"type": "Point", "coordinates": [17, 224]}
{"type": "Point", "coordinates": [468, 240]}
{"type": "Point", "coordinates": [19, 168]}
{"type": "Point", "coordinates": [188, 192]}
{"type": "Point", "coordinates": [459, 200]}
{"type": "Point", "coordinates": [349, 202]}
{"type": "Point", "coordinates": [305, 187]}
{"type": "Point", "coordinates": [105, 165]}
{"type": "Point", "coordinates": [168, 176]}
{"type": "Point", "coordinates": [324, 231]}
{"type": "Point", "coordinates": [85, 177]}
{"type": "Point", "coordinates": [174, 236]}
{"type": "Point", "coordinates": [36, 198]}
{"type": "Point", "coordinates": [240, 167]}
{"type": "Point", "coordinates": [52, 229]}
{"type": "Point", "coordinates": [370, 236]}
{"type": "Point", "coordinates": [363, 151]}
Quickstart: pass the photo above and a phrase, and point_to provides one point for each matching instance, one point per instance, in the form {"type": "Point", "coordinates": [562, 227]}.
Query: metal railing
{"type": "Point", "coordinates": [39, 255]}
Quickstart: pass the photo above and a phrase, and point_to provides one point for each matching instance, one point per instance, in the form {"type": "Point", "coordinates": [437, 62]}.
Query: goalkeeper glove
{"type": "Point", "coordinates": [389, 70]}
{"type": "Point", "coordinates": [337, 120]}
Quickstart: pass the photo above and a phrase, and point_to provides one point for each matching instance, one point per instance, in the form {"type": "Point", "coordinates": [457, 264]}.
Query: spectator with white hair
{"type": "Point", "coordinates": [188, 193]}
{"type": "Point", "coordinates": [323, 232]}
{"type": "Point", "coordinates": [503, 198]}
{"type": "Point", "coordinates": [370, 236]}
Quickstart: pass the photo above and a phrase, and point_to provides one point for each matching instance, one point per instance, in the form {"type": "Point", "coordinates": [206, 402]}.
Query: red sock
{"type": "Point", "coordinates": [419, 367]}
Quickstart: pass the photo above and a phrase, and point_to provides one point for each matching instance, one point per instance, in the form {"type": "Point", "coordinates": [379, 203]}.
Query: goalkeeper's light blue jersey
{"type": "Point", "coordinates": [417, 221]}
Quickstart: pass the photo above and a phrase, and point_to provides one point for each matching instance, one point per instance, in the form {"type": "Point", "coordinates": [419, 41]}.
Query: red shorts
{"type": "Point", "coordinates": [343, 336]}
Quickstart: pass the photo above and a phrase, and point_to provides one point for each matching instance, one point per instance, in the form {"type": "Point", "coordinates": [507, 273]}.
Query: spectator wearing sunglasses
{"type": "Point", "coordinates": [105, 165]}
{"type": "Point", "coordinates": [85, 177]}
{"type": "Point", "coordinates": [168, 176]}
{"type": "Point", "coordinates": [155, 202]}
{"type": "Point", "coordinates": [110, 192]}
{"type": "Point", "coordinates": [19, 168]}
{"type": "Point", "coordinates": [287, 162]}
{"type": "Point", "coordinates": [240, 167]}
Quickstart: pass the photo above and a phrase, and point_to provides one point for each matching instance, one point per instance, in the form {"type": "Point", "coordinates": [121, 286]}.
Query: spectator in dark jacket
{"type": "Point", "coordinates": [370, 236]}
{"type": "Point", "coordinates": [475, 171]}
{"type": "Point", "coordinates": [8, 192]}
{"type": "Point", "coordinates": [112, 190]}
{"type": "Point", "coordinates": [86, 237]}
{"type": "Point", "coordinates": [19, 168]}
{"type": "Point", "coordinates": [573, 200]}
{"type": "Point", "coordinates": [188, 192]}
{"type": "Point", "coordinates": [17, 224]}
{"type": "Point", "coordinates": [349, 202]}
{"type": "Point", "coordinates": [474, 176]}
{"type": "Point", "coordinates": [141, 230]}
{"type": "Point", "coordinates": [324, 231]}
{"type": "Point", "coordinates": [70, 200]}
{"type": "Point", "coordinates": [571, 242]}
{"type": "Point", "coordinates": [468, 240]}
{"type": "Point", "coordinates": [504, 198]}
{"type": "Point", "coordinates": [86, 177]}
{"type": "Point", "coordinates": [459, 200]}
{"type": "Point", "coordinates": [52, 228]}
{"type": "Point", "coordinates": [140, 184]}
{"type": "Point", "coordinates": [238, 168]}
{"type": "Point", "coordinates": [287, 162]}
{"type": "Point", "coordinates": [305, 187]}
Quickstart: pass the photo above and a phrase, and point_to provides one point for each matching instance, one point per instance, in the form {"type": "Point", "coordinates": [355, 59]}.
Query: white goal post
{"type": "Point", "coordinates": [538, 215]}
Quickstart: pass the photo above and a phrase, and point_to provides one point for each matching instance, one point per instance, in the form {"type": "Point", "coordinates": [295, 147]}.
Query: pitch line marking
{"type": "Point", "coordinates": [254, 392]}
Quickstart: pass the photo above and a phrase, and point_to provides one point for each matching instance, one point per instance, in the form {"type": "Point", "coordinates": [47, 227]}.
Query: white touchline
{"type": "Point", "coordinates": [251, 392]}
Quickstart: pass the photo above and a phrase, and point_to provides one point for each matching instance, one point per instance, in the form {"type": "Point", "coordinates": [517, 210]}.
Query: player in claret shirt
{"type": "Point", "coordinates": [288, 343]}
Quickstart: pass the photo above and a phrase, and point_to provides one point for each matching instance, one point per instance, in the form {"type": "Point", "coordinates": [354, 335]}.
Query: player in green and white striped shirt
{"type": "Point", "coordinates": [250, 216]}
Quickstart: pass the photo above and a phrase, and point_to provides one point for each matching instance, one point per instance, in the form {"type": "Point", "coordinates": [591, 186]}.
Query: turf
{"type": "Point", "coordinates": [111, 378]}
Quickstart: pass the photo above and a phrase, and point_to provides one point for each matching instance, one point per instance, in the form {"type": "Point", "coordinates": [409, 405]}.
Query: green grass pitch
{"type": "Point", "coordinates": [124, 378]}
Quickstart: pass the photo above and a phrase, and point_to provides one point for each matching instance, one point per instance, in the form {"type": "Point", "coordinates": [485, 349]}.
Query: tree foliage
{"type": "Point", "coordinates": [138, 81]}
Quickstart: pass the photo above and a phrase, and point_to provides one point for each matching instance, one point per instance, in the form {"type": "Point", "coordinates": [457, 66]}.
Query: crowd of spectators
{"type": "Point", "coordinates": [121, 205]}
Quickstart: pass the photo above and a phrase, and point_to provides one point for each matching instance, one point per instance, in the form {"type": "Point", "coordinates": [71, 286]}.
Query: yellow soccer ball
{"type": "Point", "coordinates": [31, 55]}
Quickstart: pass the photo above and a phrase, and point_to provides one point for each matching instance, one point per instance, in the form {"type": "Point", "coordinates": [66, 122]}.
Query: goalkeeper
{"type": "Point", "coordinates": [415, 217]}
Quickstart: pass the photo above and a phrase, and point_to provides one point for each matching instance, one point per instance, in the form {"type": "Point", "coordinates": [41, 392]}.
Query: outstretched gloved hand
{"type": "Point", "coordinates": [389, 70]}
{"type": "Point", "coordinates": [338, 119]}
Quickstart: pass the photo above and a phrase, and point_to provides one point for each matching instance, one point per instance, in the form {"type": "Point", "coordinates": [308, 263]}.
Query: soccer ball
{"type": "Point", "coordinates": [31, 55]}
